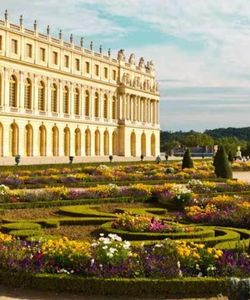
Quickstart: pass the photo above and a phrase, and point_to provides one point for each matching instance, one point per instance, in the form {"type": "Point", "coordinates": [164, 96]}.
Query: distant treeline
{"type": "Point", "coordinates": [229, 137]}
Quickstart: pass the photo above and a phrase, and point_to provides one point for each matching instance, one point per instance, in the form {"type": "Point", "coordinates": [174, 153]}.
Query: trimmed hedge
{"type": "Point", "coordinates": [25, 233]}
{"type": "Point", "coordinates": [43, 204]}
{"type": "Point", "coordinates": [20, 226]}
{"type": "Point", "coordinates": [183, 287]}
{"type": "Point", "coordinates": [84, 210]}
{"type": "Point", "coordinates": [205, 232]}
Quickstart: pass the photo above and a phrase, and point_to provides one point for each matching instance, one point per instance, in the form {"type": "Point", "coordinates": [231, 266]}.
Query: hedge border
{"type": "Point", "coordinates": [55, 203]}
{"type": "Point", "coordinates": [142, 236]}
{"type": "Point", "coordinates": [143, 287]}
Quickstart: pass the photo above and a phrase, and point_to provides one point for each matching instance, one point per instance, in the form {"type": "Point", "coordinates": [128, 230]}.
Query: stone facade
{"type": "Point", "coordinates": [61, 99]}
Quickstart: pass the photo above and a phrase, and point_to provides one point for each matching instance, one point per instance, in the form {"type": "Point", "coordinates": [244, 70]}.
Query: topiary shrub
{"type": "Point", "coordinates": [230, 157]}
{"type": "Point", "coordinates": [187, 162]}
{"type": "Point", "coordinates": [221, 164]}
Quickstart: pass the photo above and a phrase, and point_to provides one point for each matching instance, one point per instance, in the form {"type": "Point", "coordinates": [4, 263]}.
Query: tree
{"type": "Point", "coordinates": [221, 164]}
{"type": "Point", "coordinates": [187, 161]}
{"type": "Point", "coordinates": [230, 157]}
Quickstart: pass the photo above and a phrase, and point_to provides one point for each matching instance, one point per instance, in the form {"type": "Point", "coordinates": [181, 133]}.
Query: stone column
{"type": "Point", "coordinates": [36, 138]}
{"type": "Point", "coordinates": [60, 98]}
{"type": "Point", "coordinates": [48, 93]}
{"type": "Point", "coordinates": [6, 139]}
{"type": "Point", "coordinates": [20, 90]}
{"type": "Point", "coordinates": [6, 89]}
{"type": "Point", "coordinates": [35, 94]}
{"type": "Point", "coordinates": [71, 101]}
{"type": "Point", "coordinates": [92, 142]}
{"type": "Point", "coordinates": [101, 142]}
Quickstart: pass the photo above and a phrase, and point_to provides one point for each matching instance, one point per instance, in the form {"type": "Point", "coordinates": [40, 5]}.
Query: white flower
{"type": "Point", "coordinates": [110, 255]}
{"type": "Point", "coordinates": [158, 245]}
{"type": "Point", "coordinates": [105, 247]}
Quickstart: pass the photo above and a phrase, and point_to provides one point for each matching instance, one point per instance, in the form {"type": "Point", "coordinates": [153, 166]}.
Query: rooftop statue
{"type": "Point", "coordinates": [121, 55]}
{"type": "Point", "coordinates": [141, 63]}
{"type": "Point", "coordinates": [132, 59]}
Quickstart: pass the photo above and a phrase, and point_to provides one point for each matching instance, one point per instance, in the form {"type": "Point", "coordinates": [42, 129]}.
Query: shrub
{"type": "Point", "coordinates": [21, 226]}
{"type": "Point", "coordinates": [187, 162]}
{"type": "Point", "coordinates": [221, 164]}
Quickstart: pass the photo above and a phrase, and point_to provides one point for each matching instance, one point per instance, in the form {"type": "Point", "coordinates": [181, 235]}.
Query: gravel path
{"type": "Point", "coordinates": [7, 293]}
{"type": "Point", "coordinates": [245, 176]}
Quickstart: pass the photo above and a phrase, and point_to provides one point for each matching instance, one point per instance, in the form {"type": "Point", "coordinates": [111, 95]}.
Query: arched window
{"type": "Point", "coordinates": [97, 142]}
{"type": "Point", "coordinates": [14, 139]}
{"type": "Point", "coordinates": [77, 102]}
{"type": "Point", "coordinates": [133, 144]}
{"type": "Point", "coordinates": [55, 141]}
{"type": "Point", "coordinates": [143, 144]}
{"type": "Point", "coordinates": [106, 142]}
{"type": "Point", "coordinates": [13, 92]}
{"type": "Point", "coordinates": [105, 106]}
{"type": "Point", "coordinates": [42, 140]}
{"type": "Point", "coordinates": [66, 100]}
{"type": "Point", "coordinates": [113, 108]}
{"type": "Point", "coordinates": [28, 140]}
{"type": "Point", "coordinates": [152, 144]}
{"type": "Point", "coordinates": [87, 142]}
{"type": "Point", "coordinates": [114, 144]}
{"type": "Point", "coordinates": [41, 96]}
{"type": "Point", "coordinates": [77, 142]}
{"type": "Point", "coordinates": [54, 106]}
{"type": "Point", "coordinates": [27, 94]}
{"type": "Point", "coordinates": [96, 105]}
{"type": "Point", "coordinates": [87, 110]}
{"type": "Point", "coordinates": [66, 141]}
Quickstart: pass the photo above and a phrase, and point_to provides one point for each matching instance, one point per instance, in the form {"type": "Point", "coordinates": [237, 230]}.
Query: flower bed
{"type": "Point", "coordinates": [145, 223]}
{"type": "Point", "coordinates": [111, 257]}
{"type": "Point", "coordinates": [223, 210]}
{"type": "Point", "coordinates": [104, 173]}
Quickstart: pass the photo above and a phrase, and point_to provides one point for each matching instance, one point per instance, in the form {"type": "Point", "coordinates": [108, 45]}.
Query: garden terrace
{"type": "Point", "coordinates": [91, 233]}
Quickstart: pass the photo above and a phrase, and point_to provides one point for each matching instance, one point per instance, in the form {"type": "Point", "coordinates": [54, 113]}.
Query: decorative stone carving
{"type": "Point", "coordinates": [132, 59]}
{"type": "Point", "coordinates": [141, 63]}
{"type": "Point", "coordinates": [121, 55]}
{"type": "Point", "coordinates": [150, 65]}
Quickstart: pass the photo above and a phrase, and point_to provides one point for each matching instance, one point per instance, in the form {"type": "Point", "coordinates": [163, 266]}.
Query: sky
{"type": "Point", "coordinates": [201, 49]}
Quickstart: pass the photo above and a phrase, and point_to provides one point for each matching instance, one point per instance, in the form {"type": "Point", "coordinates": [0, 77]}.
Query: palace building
{"type": "Point", "coordinates": [61, 99]}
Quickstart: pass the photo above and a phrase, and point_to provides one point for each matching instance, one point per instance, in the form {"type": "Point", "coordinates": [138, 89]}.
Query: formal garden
{"type": "Point", "coordinates": [139, 229]}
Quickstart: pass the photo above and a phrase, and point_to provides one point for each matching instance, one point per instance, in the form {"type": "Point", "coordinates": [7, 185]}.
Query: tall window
{"type": "Point", "coordinates": [105, 106]}
{"type": "Point", "coordinates": [55, 57]}
{"type": "Point", "coordinates": [29, 50]}
{"type": "Point", "coordinates": [13, 91]}
{"type": "Point", "coordinates": [97, 70]}
{"type": "Point", "coordinates": [77, 61]}
{"type": "Point", "coordinates": [14, 46]}
{"type": "Point", "coordinates": [1, 42]}
{"type": "Point", "coordinates": [66, 100]}
{"type": "Point", "coordinates": [106, 72]}
{"type": "Point", "coordinates": [77, 102]}
{"type": "Point", "coordinates": [113, 108]}
{"type": "Point", "coordinates": [42, 54]}
{"type": "Point", "coordinates": [54, 106]}
{"type": "Point", "coordinates": [66, 61]}
{"type": "Point", "coordinates": [87, 67]}
{"type": "Point", "coordinates": [87, 110]}
{"type": "Point", "coordinates": [41, 96]}
{"type": "Point", "coordinates": [114, 74]}
{"type": "Point", "coordinates": [96, 105]}
{"type": "Point", "coordinates": [27, 94]}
